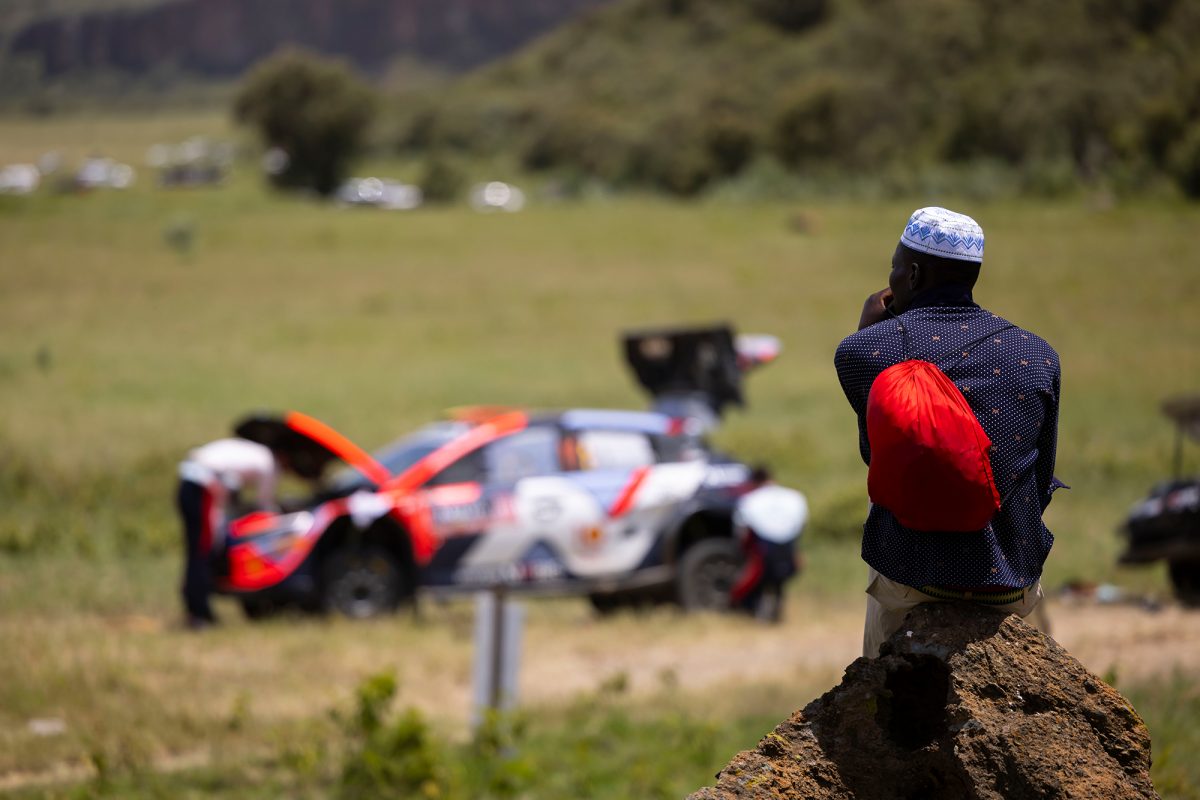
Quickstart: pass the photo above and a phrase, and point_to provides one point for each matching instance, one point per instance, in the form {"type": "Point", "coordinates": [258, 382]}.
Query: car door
{"type": "Point", "coordinates": [529, 507]}
{"type": "Point", "coordinates": [454, 509]}
{"type": "Point", "coordinates": [634, 494]}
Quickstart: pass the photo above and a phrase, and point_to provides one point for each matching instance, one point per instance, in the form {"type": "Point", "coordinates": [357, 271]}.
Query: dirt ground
{"type": "Point", "coordinates": [1126, 640]}
{"type": "Point", "coordinates": [567, 652]}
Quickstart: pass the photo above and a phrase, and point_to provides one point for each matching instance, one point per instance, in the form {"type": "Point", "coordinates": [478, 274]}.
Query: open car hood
{"type": "Point", "coordinates": [707, 360]}
{"type": "Point", "coordinates": [308, 445]}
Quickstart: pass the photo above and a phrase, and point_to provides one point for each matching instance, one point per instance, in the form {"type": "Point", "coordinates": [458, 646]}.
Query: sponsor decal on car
{"type": "Point", "coordinates": [721, 475]}
{"type": "Point", "coordinates": [467, 518]}
{"type": "Point", "coordinates": [505, 574]}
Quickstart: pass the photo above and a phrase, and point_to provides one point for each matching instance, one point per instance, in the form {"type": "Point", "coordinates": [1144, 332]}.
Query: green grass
{"type": "Point", "coordinates": [102, 652]}
{"type": "Point", "coordinates": [601, 745]}
{"type": "Point", "coordinates": [1170, 709]}
{"type": "Point", "coordinates": [598, 746]}
{"type": "Point", "coordinates": [117, 353]}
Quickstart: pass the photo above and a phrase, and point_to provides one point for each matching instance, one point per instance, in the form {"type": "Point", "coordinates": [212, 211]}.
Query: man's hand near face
{"type": "Point", "coordinates": [875, 308]}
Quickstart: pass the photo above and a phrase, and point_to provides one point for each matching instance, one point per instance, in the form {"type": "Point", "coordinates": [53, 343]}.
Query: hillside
{"type": "Point", "coordinates": [15, 14]}
{"type": "Point", "coordinates": [680, 93]}
{"type": "Point", "coordinates": [220, 38]}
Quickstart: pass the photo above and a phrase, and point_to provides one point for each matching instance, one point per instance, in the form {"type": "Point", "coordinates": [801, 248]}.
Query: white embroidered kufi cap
{"type": "Point", "coordinates": [944, 233]}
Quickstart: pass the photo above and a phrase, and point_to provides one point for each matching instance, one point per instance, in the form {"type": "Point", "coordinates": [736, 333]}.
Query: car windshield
{"type": "Point", "coordinates": [400, 454]}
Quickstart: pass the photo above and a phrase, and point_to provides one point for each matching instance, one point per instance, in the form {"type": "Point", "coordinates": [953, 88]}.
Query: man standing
{"type": "Point", "coordinates": [1010, 380]}
{"type": "Point", "coordinates": [208, 477]}
{"type": "Point", "coordinates": [768, 521]}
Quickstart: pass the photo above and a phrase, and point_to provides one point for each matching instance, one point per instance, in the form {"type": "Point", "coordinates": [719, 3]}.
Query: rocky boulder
{"type": "Point", "coordinates": [962, 703]}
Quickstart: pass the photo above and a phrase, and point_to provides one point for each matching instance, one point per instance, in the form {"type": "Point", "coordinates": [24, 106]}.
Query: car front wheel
{"type": "Point", "coordinates": [707, 572]}
{"type": "Point", "coordinates": [361, 582]}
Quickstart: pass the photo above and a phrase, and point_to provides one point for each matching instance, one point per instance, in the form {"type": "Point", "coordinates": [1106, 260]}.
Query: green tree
{"type": "Point", "coordinates": [811, 125]}
{"type": "Point", "coordinates": [315, 110]}
{"type": "Point", "coordinates": [441, 182]}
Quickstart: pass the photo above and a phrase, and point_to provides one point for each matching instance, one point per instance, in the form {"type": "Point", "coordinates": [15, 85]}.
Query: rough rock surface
{"type": "Point", "coordinates": [964, 703]}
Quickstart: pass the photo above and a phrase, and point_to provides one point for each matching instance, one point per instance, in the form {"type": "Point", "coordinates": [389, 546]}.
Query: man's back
{"type": "Point", "coordinates": [1010, 378]}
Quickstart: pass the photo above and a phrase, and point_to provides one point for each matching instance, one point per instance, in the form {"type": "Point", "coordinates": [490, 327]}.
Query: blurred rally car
{"type": "Point", "coordinates": [623, 506]}
{"type": "Point", "coordinates": [1166, 525]}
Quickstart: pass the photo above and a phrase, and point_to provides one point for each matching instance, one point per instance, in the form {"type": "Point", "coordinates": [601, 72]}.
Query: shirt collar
{"type": "Point", "coordinates": [946, 295]}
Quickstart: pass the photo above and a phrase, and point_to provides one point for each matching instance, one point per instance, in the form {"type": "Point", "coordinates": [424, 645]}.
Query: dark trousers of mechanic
{"type": "Point", "coordinates": [759, 587]}
{"type": "Point", "coordinates": [195, 508]}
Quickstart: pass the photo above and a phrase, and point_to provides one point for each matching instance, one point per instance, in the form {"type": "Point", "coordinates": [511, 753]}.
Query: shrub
{"type": "Point", "coordinates": [393, 758]}
{"type": "Point", "coordinates": [580, 138]}
{"type": "Point", "coordinates": [451, 127]}
{"type": "Point", "coordinates": [682, 170]}
{"type": "Point", "coordinates": [674, 157]}
{"type": "Point", "coordinates": [809, 127]}
{"type": "Point", "coordinates": [1144, 16]}
{"type": "Point", "coordinates": [441, 182]}
{"type": "Point", "coordinates": [730, 141]}
{"type": "Point", "coordinates": [1163, 124]}
{"type": "Point", "coordinates": [1185, 162]}
{"type": "Point", "coordinates": [314, 110]}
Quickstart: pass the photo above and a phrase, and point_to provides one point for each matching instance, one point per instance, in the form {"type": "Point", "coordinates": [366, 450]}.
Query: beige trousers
{"type": "Point", "coordinates": [888, 602]}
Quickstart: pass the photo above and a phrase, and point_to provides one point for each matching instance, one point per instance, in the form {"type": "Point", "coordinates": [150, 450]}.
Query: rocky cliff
{"type": "Point", "coordinates": [963, 704]}
{"type": "Point", "coordinates": [217, 38]}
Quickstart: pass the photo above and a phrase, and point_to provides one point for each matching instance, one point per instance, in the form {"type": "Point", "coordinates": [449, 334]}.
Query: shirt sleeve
{"type": "Point", "coordinates": [1047, 444]}
{"type": "Point", "coordinates": [855, 377]}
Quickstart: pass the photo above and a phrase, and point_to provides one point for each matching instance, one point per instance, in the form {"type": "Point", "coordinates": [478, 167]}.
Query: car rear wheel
{"type": "Point", "coordinates": [707, 572]}
{"type": "Point", "coordinates": [1185, 577]}
{"type": "Point", "coordinates": [361, 582]}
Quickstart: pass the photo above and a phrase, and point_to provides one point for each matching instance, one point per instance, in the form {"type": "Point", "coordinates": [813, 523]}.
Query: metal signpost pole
{"type": "Point", "coordinates": [496, 660]}
{"type": "Point", "coordinates": [498, 628]}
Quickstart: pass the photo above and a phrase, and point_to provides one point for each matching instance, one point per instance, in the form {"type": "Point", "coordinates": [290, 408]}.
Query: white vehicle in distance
{"type": "Point", "coordinates": [379, 193]}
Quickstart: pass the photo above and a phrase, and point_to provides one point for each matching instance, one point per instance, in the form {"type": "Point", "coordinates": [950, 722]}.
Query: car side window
{"type": "Point", "coordinates": [533, 451]}
{"type": "Point", "coordinates": [672, 449]}
{"type": "Point", "coordinates": [614, 450]}
{"type": "Point", "coordinates": [467, 469]}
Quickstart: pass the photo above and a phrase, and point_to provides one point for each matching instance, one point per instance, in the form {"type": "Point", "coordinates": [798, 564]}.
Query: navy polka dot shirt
{"type": "Point", "coordinates": [1010, 378]}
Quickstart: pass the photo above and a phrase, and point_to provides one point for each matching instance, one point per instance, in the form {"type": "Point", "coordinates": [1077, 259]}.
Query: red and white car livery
{"type": "Point", "coordinates": [624, 506]}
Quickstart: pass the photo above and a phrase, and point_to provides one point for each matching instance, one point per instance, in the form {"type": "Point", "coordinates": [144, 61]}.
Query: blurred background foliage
{"type": "Point", "coordinates": [679, 94]}
{"type": "Point", "coordinates": [683, 96]}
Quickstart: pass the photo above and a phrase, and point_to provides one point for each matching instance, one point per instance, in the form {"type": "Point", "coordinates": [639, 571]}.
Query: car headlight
{"type": "Point", "coordinates": [275, 541]}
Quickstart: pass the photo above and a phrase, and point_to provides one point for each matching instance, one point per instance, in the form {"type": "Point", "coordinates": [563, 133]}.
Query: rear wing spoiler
{"type": "Point", "coordinates": [1185, 413]}
{"type": "Point", "coordinates": [697, 367]}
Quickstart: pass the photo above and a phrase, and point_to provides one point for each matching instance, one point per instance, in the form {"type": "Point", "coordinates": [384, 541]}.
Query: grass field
{"type": "Point", "coordinates": [118, 352]}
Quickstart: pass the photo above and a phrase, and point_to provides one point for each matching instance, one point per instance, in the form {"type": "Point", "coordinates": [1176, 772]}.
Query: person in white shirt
{"type": "Point", "coordinates": [208, 479]}
{"type": "Point", "coordinates": [768, 521]}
